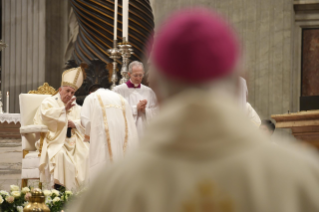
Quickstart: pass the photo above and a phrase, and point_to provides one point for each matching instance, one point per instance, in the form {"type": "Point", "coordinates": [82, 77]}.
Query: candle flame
{"type": "Point", "coordinates": [7, 93]}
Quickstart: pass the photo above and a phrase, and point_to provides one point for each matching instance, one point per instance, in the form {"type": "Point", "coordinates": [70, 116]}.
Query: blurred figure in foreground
{"type": "Point", "coordinates": [202, 153]}
{"type": "Point", "coordinates": [267, 127]}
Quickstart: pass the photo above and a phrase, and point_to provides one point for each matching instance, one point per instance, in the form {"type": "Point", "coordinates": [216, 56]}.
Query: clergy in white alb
{"type": "Point", "coordinates": [245, 105]}
{"type": "Point", "coordinates": [110, 128]}
{"type": "Point", "coordinates": [201, 152]}
{"type": "Point", "coordinates": [140, 97]}
{"type": "Point", "coordinates": [64, 158]}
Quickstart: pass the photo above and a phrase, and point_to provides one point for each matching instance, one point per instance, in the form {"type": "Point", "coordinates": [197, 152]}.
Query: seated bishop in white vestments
{"type": "Point", "coordinates": [64, 158]}
{"type": "Point", "coordinates": [140, 97]}
{"type": "Point", "coordinates": [201, 153]}
{"type": "Point", "coordinates": [110, 128]}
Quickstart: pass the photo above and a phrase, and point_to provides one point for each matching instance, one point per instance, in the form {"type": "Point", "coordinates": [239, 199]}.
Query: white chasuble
{"type": "Point", "coordinates": [133, 96]}
{"type": "Point", "coordinates": [202, 153]}
{"type": "Point", "coordinates": [110, 128]}
{"type": "Point", "coordinates": [63, 160]}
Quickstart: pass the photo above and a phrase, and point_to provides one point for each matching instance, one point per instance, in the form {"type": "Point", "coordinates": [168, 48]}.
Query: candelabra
{"type": "Point", "coordinates": [115, 54]}
{"type": "Point", "coordinates": [126, 51]}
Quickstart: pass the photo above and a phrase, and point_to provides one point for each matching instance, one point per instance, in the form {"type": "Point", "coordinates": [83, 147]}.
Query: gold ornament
{"type": "Point", "coordinates": [36, 202]}
{"type": "Point", "coordinates": [44, 89]}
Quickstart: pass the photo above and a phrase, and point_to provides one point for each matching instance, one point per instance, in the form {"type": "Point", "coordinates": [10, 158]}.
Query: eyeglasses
{"type": "Point", "coordinates": [137, 75]}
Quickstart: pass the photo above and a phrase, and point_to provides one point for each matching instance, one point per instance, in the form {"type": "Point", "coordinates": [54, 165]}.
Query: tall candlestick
{"type": "Point", "coordinates": [7, 101]}
{"type": "Point", "coordinates": [115, 19]}
{"type": "Point", "coordinates": [125, 18]}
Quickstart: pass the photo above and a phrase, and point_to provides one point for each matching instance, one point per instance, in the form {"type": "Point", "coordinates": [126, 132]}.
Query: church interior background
{"type": "Point", "coordinates": [280, 41]}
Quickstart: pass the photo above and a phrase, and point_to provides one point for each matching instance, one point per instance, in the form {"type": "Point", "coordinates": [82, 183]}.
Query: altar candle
{"type": "Point", "coordinates": [115, 19]}
{"type": "Point", "coordinates": [125, 18]}
{"type": "Point", "coordinates": [7, 101]}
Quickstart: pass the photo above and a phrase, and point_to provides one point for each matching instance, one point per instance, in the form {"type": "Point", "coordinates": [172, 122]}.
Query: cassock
{"type": "Point", "coordinates": [63, 160]}
{"type": "Point", "coordinates": [110, 128]}
{"type": "Point", "coordinates": [195, 157]}
{"type": "Point", "coordinates": [133, 96]}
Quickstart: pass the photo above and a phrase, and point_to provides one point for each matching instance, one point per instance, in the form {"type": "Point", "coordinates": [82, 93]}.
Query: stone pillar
{"type": "Point", "coordinates": [23, 61]}
{"type": "Point", "coordinates": [36, 32]}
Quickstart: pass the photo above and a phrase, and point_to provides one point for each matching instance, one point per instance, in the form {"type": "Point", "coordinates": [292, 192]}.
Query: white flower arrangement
{"type": "Point", "coordinates": [19, 208]}
{"type": "Point", "coordinates": [16, 194]}
{"type": "Point", "coordinates": [47, 193]}
{"type": "Point", "coordinates": [16, 200]}
{"type": "Point", "coordinates": [25, 190]}
{"type": "Point", "coordinates": [48, 200]}
{"type": "Point", "coordinates": [56, 199]}
{"type": "Point", "coordinates": [14, 188]}
{"type": "Point", "coordinates": [4, 193]}
{"type": "Point", "coordinates": [56, 192]}
{"type": "Point", "coordinates": [10, 199]}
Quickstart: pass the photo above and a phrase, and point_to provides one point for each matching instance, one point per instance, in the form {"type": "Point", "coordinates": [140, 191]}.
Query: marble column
{"type": "Point", "coordinates": [23, 61]}
{"type": "Point", "coordinates": [36, 33]}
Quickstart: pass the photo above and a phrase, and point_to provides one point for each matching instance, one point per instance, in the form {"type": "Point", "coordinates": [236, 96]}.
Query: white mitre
{"type": "Point", "coordinates": [74, 77]}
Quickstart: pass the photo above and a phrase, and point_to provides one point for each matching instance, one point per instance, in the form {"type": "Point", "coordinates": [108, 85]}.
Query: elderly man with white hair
{"type": "Point", "coordinates": [64, 154]}
{"type": "Point", "coordinates": [140, 97]}
{"type": "Point", "coordinates": [201, 152]}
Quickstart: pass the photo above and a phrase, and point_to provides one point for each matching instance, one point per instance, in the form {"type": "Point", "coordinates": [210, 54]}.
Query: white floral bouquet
{"type": "Point", "coordinates": [16, 199]}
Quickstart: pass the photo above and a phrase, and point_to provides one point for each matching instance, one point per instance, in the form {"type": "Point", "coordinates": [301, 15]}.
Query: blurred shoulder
{"type": "Point", "coordinates": [147, 89]}
{"type": "Point", "coordinates": [120, 87]}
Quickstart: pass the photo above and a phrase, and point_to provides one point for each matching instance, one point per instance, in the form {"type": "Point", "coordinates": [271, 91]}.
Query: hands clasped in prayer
{"type": "Point", "coordinates": [141, 106]}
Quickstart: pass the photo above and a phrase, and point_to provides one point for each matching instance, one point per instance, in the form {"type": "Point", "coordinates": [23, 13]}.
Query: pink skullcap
{"type": "Point", "coordinates": [195, 45]}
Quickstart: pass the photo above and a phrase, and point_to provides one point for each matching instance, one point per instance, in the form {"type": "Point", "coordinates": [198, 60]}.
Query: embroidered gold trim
{"type": "Point", "coordinates": [126, 127]}
{"type": "Point", "coordinates": [208, 197]}
{"type": "Point", "coordinates": [77, 76]}
{"type": "Point", "coordinates": [70, 85]}
{"type": "Point", "coordinates": [106, 127]}
{"type": "Point", "coordinates": [114, 106]}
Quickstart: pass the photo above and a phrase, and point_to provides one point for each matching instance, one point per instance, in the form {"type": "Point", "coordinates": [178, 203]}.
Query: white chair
{"type": "Point", "coordinates": [32, 134]}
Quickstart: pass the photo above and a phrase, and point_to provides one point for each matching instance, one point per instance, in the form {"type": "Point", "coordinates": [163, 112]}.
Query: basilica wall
{"type": "Point", "coordinates": [266, 31]}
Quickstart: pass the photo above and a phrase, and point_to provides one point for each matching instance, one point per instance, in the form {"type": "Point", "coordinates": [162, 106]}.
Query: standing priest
{"type": "Point", "coordinates": [64, 154]}
{"type": "Point", "coordinates": [109, 126]}
{"type": "Point", "coordinates": [141, 98]}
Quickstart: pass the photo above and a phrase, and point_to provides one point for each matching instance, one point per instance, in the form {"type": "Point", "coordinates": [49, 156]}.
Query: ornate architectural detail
{"type": "Point", "coordinates": [95, 36]}
{"type": "Point", "coordinates": [44, 89]}
{"type": "Point", "coordinates": [96, 73]}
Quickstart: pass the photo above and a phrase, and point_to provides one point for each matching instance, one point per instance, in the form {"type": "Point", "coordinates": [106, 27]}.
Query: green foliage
{"type": "Point", "coordinates": [16, 200]}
